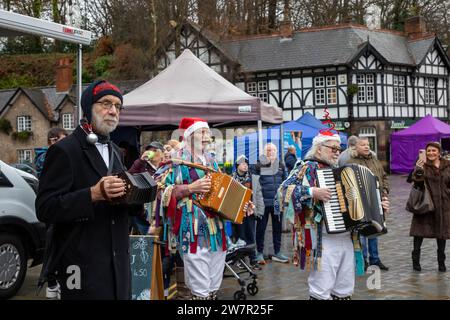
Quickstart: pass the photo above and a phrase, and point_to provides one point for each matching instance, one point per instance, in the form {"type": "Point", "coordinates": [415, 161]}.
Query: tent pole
{"type": "Point", "coordinates": [79, 81]}
{"type": "Point", "coordinates": [260, 138]}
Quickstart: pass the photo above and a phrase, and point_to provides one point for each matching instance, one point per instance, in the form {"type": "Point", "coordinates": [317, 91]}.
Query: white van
{"type": "Point", "coordinates": [22, 236]}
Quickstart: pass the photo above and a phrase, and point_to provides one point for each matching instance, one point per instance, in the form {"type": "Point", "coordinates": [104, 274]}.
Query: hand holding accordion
{"type": "Point", "coordinates": [139, 188]}
{"type": "Point", "coordinates": [226, 197]}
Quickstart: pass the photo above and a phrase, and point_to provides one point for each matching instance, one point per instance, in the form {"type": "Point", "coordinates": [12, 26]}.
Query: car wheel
{"type": "Point", "coordinates": [13, 265]}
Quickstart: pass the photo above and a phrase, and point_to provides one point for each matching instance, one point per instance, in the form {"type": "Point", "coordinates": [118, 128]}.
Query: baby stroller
{"type": "Point", "coordinates": [237, 255]}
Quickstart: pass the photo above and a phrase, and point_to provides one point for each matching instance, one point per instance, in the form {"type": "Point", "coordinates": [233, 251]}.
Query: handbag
{"type": "Point", "coordinates": [420, 201]}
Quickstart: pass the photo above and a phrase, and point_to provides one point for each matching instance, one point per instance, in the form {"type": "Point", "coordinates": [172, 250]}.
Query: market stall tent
{"type": "Point", "coordinates": [308, 125]}
{"type": "Point", "coordinates": [189, 88]}
{"type": "Point", "coordinates": [405, 144]}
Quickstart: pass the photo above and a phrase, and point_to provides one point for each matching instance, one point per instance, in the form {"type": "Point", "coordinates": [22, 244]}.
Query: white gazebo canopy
{"type": "Point", "coordinates": [190, 88]}
{"type": "Point", "coordinates": [14, 24]}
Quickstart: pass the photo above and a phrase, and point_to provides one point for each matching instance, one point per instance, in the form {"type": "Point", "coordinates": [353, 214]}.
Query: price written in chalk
{"type": "Point", "coordinates": [141, 254]}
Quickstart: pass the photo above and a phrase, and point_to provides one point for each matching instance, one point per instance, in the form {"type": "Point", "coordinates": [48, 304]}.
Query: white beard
{"type": "Point", "coordinates": [101, 127]}
{"type": "Point", "coordinates": [331, 163]}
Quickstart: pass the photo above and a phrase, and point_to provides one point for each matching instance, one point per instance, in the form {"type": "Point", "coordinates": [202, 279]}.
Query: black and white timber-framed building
{"type": "Point", "coordinates": [396, 77]}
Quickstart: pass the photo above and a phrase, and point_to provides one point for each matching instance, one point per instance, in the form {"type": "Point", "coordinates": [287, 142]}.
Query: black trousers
{"type": "Point", "coordinates": [261, 225]}
{"type": "Point", "coordinates": [440, 247]}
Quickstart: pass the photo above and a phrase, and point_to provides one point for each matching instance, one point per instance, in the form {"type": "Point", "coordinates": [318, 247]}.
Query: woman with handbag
{"type": "Point", "coordinates": [432, 176]}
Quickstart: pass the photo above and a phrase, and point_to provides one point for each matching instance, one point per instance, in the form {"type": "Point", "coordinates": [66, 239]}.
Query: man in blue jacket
{"type": "Point", "coordinates": [271, 174]}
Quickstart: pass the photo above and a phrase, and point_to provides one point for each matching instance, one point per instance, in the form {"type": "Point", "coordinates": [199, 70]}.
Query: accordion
{"type": "Point", "coordinates": [140, 188]}
{"type": "Point", "coordinates": [355, 202]}
{"type": "Point", "coordinates": [227, 197]}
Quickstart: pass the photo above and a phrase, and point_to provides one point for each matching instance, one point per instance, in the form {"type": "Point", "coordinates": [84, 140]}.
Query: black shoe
{"type": "Point", "coordinates": [416, 266]}
{"type": "Point", "coordinates": [381, 266]}
{"type": "Point", "coordinates": [442, 267]}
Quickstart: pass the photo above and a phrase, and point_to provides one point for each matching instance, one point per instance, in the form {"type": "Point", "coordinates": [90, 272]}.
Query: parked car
{"type": "Point", "coordinates": [25, 167]}
{"type": "Point", "coordinates": [22, 236]}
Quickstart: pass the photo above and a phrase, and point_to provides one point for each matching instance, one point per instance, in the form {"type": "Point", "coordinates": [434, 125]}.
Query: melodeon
{"type": "Point", "coordinates": [355, 202]}
{"type": "Point", "coordinates": [140, 188]}
{"type": "Point", "coordinates": [227, 197]}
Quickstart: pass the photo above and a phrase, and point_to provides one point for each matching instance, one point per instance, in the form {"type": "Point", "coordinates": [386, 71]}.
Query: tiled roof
{"type": "Point", "coordinates": [323, 47]}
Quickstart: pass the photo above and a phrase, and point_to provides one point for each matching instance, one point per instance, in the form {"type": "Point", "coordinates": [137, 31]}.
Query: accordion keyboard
{"type": "Point", "coordinates": [334, 220]}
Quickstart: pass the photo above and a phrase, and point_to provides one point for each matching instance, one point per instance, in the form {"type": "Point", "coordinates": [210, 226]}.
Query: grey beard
{"type": "Point", "coordinates": [101, 127]}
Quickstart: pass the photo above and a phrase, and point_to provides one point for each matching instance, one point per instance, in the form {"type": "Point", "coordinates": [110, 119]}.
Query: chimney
{"type": "Point", "coordinates": [64, 79]}
{"type": "Point", "coordinates": [286, 28]}
{"type": "Point", "coordinates": [415, 27]}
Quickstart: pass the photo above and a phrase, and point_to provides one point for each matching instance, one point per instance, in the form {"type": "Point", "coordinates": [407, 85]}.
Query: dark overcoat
{"type": "Point", "coordinates": [99, 247]}
{"type": "Point", "coordinates": [437, 224]}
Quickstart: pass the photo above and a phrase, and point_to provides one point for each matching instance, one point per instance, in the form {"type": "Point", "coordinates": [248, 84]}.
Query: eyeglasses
{"type": "Point", "coordinates": [107, 105]}
{"type": "Point", "coordinates": [334, 149]}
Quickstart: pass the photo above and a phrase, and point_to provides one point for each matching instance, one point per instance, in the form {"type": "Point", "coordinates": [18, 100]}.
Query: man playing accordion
{"type": "Point", "coordinates": [330, 258]}
{"type": "Point", "coordinates": [198, 234]}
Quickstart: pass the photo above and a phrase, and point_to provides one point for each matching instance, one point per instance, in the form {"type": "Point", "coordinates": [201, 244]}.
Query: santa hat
{"type": "Point", "coordinates": [192, 124]}
{"type": "Point", "coordinates": [326, 136]}
{"type": "Point", "coordinates": [94, 92]}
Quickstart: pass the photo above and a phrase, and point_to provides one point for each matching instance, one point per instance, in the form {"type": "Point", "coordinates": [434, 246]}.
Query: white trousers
{"type": "Point", "coordinates": [337, 274]}
{"type": "Point", "coordinates": [203, 271]}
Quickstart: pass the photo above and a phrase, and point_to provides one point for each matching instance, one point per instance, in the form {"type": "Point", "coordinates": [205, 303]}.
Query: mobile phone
{"type": "Point", "coordinates": [422, 155]}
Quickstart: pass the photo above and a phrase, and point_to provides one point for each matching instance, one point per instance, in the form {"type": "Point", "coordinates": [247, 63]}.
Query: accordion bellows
{"type": "Point", "coordinates": [140, 188]}
{"type": "Point", "coordinates": [227, 197]}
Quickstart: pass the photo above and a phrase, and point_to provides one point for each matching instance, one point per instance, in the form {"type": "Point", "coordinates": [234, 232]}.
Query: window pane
{"type": "Point", "coordinates": [401, 94]}
{"type": "Point", "coordinates": [431, 82]}
{"type": "Point", "coordinates": [369, 78]}
{"type": "Point", "coordinates": [251, 87]}
{"type": "Point", "coordinates": [360, 79]}
{"type": "Point", "coordinates": [68, 121]}
{"type": "Point", "coordinates": [263, 96]}
{"type": "Point", "coordinates": [361, 94]}
{"type": "Point", "coordinates": [24, 156]}
{"type": "Point", "coordinates": [331, 95]}
{"type": "Point", "coordinates": [395, 79]}
{"type": "Point", "coordinates": [331, 81]}
{"type": "Point", "coordinates": [24, 123]}
{"type": "Point", "coordinates": [370, 94]}
{"type": "Point", "coordinates": [262, 86]}
{"type": "Point", "coordinates": [432, 94]}
{"type": "Point", "coordinates": [319, 81]}
{"type": "Point", "coordinates": [320, 96]}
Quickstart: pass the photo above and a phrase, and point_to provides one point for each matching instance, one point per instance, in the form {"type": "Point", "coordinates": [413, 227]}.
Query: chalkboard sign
{"type": "Point", "coordinates": [141, 257]}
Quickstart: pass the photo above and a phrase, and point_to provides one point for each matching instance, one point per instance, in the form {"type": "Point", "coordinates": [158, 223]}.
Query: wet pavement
{"type": "Point", "coordinates": [287, 282]}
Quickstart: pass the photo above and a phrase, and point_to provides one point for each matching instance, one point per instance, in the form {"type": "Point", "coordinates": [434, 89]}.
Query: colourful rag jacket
{"type": "Point", "coordinates": [298, 207]}
{"type": "Point", "coordinates": [185, 224]}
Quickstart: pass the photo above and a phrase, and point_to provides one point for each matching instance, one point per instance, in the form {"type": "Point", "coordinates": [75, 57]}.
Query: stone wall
{"type": "Point", "coordinates": [22, 106]}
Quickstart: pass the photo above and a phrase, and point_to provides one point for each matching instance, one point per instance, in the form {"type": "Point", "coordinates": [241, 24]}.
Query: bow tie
{"type": "Point", "coordinates": [103, 139]}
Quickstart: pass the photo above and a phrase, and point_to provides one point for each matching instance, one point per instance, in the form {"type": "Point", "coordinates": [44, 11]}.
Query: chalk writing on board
{"type": "Point", "coordinates": [141, 253]}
